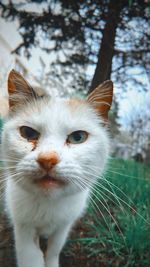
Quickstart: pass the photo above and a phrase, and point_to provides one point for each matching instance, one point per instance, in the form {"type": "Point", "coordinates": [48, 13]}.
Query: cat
{"type": "Point", "coordinates": [48, 146]}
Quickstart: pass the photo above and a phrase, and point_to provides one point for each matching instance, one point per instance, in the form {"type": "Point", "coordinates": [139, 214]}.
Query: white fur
{"type": "Point", "coordinates": [33, 210]}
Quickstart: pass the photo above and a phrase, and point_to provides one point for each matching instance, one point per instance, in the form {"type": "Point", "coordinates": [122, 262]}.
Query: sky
{"type": "Point", "coordinates": [14, 39]}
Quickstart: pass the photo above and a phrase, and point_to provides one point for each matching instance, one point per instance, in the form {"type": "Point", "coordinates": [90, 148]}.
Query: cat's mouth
{"type": "Point", "coordinates": [48, 181]}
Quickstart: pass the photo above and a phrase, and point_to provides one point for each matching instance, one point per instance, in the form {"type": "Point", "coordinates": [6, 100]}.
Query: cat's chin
{"type": "Point", "coordinates": [48, 182]}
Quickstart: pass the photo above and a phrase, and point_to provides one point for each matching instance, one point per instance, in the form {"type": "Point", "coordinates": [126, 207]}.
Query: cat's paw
{"type": "Point", "coordinates": [52, 262]}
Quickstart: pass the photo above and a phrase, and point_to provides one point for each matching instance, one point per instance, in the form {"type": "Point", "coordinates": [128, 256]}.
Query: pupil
{"type": "Point", "coordinates": [30, 132]}
{"type": "Point", "coordinates": [77, 136]}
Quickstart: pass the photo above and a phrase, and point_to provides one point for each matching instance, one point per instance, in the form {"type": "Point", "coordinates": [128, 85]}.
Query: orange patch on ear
{"type": "Point", "coordinates": [101, 98]}
{"type": "Point", "coordinates": [18, 88]}
{"type": "Point", "coordinates": [103, 108]}
{"type": "Point", "coordinates": [16, 82]}
{"type": "Point", "coordinates": [11, 84]}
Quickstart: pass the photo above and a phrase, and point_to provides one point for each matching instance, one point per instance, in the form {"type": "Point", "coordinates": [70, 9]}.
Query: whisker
{"type": "Point", "coordinates": [124, 202]}
{"type": "Point", "coordinates": [83, 185]}
{"type": "Point", "coordinates": [111, 184]}
{"type": "Point", "coordinates": [106, 208]}
{"type": "Point", "coordinates": [117, 197]}
{"type": "Point", "coordinates": [125, 175]}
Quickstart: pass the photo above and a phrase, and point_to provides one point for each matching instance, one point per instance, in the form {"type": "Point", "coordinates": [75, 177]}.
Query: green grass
{"type": "Point", "coordinates": [121, 238]}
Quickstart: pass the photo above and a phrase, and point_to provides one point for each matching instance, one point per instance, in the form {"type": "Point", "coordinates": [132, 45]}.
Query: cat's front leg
{"type": "Point", "coordinates": [55, 244]}
{"type": "Point", "coordinates": [27, 249]}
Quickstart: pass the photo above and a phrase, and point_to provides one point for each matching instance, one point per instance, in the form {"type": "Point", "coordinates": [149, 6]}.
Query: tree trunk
{"type": "Point", "coordinates": [106, 52]}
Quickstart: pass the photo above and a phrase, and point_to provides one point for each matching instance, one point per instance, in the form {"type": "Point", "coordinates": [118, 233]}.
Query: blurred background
{"type": "Point", "coordinates": [68, 47]}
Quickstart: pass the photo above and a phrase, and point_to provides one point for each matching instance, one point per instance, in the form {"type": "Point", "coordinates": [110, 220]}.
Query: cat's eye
{"type": "Point", "coordinates": [77, 137]}
{"type": "Point", "coordinates": [29, 133]}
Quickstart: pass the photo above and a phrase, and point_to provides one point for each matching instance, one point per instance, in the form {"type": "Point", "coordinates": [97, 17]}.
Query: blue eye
{"type": "Point", "coordinates": [29, 133]}
{"type": "Point", "coordinates": [77, 137]}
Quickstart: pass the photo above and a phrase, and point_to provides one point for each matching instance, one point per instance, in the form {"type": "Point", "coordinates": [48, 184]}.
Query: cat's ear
{"type": "Point", "coordinates": [19, 89]}
{"type": "Point", "coordinates": [101, 98]}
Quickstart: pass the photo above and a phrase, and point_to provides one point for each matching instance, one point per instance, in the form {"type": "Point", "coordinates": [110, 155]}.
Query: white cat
{"type": "Point", "coordinates": [50, 147]}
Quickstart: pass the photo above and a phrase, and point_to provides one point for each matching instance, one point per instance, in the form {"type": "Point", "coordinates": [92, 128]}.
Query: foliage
{"type": "Point", "coordinates": [76, 31]}
{"type": "Point", "coordinates": [120, 238]}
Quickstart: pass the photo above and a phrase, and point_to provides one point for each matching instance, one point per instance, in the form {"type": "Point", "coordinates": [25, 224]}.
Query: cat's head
{"type": "Point", "coordinates": [55, 145]}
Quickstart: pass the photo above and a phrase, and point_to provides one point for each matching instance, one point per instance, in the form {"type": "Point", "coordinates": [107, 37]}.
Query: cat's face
{"type": "Point", "coordinates": [56, 145]}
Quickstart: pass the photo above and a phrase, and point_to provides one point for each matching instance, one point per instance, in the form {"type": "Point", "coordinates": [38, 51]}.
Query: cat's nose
{"type": "Point", "coordinates": [48, 160]}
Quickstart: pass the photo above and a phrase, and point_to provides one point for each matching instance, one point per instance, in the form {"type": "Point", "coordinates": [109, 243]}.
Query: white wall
{"type": "Point", "coordinates": [9, 40]}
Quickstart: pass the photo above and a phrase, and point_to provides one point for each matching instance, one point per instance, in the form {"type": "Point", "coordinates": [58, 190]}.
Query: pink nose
{"type": "Point", "coordinates": [48, 160]}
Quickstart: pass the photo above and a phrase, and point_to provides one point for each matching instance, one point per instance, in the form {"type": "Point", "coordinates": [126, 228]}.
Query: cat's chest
{"type": "Point", "coordinates": [54, 212]}
{"type": "Point", "coordinates": [46, 214]}
{"type": "Point", "coordinates": [46, 211]}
